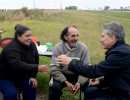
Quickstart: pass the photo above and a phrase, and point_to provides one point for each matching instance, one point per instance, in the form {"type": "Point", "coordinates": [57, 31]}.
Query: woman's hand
{"type": "Point", "coordinates": [43, 68]}
{"type": "Point", "coordinates": [33, 81]}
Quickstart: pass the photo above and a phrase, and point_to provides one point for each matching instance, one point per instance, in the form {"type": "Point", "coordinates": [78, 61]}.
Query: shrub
{"type": "Point", "coordinates": [25, 11]}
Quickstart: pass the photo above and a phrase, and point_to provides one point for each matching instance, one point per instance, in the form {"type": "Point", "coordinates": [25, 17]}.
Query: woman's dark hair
{"type": "Point", "coordinates": [19, 30]}
{"type": "Point", "coordinates": [65, 32]}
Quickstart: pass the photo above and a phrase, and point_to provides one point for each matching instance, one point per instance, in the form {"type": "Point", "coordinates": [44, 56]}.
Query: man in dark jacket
{"type": "Point", "coordinates": [115, 68]}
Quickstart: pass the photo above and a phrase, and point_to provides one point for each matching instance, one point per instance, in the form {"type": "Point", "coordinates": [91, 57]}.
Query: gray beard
{"type": "Point", "coordinates": [74, 45]}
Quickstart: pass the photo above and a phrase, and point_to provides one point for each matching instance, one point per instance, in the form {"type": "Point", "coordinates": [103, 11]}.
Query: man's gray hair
{"type": "Point", "coordinates": [115, 29]}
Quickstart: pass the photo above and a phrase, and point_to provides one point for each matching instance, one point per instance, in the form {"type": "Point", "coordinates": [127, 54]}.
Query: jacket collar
{"type": "Point", "coordinates": [23, 45]}
{"type": "Point", "coordinates": [69, 47]}
{"type": "Point", "coordinates": [115, 45]}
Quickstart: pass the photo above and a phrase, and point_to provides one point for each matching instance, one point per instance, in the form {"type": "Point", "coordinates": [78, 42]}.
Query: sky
{"type": "Point", "coordinates": [58, 4]}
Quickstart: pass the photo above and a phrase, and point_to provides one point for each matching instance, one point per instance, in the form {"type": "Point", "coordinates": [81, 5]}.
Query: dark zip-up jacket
{"type": "Point", "coordinates": [115, 68]}
{"type": "Point", "coordinates": [18, 61]}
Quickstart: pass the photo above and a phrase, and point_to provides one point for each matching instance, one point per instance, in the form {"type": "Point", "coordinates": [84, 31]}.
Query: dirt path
{"type": "Point", "coordinates": [42, 96]}
{"type": "Point", "coordinates": [39, 96]}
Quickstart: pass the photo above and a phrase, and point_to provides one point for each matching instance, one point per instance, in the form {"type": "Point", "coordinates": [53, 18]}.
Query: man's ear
{"type": "Point", "coordinates": [66, 38]}
{"type": "Point", "coordinates": [113, 39]}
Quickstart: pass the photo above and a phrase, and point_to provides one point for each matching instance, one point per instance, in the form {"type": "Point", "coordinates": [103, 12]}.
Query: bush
{"type": "Point", "coordinates": [2, 16]}
{"type": "Point", "coordinates": [71, 8]}
{"type": "Point", "coordinates": [25, 11]}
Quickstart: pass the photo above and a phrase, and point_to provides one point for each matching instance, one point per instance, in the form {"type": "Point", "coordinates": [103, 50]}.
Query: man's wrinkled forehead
{"type": "Point", "coordinates": [73, 30]}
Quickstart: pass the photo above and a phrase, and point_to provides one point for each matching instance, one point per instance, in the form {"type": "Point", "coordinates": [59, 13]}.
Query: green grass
{"type": "Point", "coordinates": [46, 26]}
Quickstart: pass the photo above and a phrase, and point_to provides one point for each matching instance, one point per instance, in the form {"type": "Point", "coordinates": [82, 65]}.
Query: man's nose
{"type": "Point", "coordinates": [29, 37]}
{"type": "Point", "coordinates": [100, 39]}
{"type": "Point", "coordinates": [76, 38]}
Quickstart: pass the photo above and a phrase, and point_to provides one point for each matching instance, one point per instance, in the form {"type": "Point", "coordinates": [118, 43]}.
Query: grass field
{"type": "Point", "coordinates": [46, 26]}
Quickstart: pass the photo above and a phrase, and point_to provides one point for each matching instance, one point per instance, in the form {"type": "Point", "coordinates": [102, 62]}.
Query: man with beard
{"type": "Point", "coordinates": [61, 77]}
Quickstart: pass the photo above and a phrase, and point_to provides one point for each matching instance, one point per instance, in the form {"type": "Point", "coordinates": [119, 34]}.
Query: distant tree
{"type": "Point", "coordinates": [71, 8]}
{"type": "Point", "coordinates": [25, 11]}
{"type": "Point", "coordinates": [121, 8]}
{"type": "Point", "coordinates": [106, 7]}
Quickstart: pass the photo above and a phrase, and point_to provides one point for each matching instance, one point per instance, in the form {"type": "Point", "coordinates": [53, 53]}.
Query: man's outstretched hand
{"type": "Point", "coordinates": [63, 60]}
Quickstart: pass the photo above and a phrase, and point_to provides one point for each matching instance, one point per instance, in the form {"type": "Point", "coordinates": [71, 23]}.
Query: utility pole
{"type": "Point", "coordinates": [54, 3]}
{"type": "Point", "coordinates": [104, 3]}
{"type": "Point", "coordinates": [61, 5]}
{"type": "Point", "coordinates": [33, 4]}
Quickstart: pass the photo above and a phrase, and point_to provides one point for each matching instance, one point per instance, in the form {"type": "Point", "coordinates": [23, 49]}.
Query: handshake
{"type": "Point", "coordinates": [43, 68]}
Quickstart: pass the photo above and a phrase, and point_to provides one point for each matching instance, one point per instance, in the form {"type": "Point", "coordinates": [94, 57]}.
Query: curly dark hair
{"type": "Point", "coordinates": [65, 32]}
